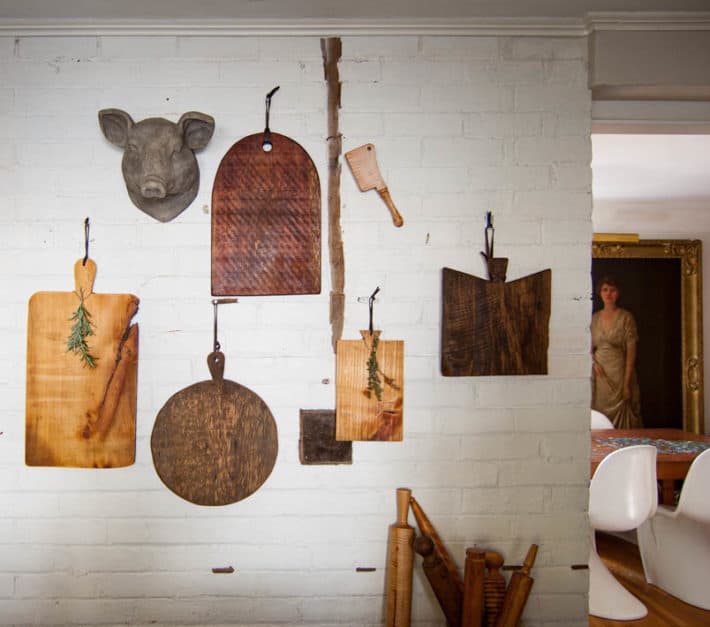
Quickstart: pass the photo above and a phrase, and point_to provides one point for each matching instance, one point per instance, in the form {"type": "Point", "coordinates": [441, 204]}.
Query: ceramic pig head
{"type": "Point", "coordinates": [159, 165]}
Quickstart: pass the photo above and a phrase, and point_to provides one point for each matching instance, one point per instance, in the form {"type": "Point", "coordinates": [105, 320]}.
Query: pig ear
{"type": "Point", "coordinates": [197, 129]}
{"type": "Point", "coordinates": [115, 125]}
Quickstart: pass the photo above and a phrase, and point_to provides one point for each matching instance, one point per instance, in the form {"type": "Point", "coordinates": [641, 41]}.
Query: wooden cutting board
{"type": "Point", "coordinates": [492, 327]}
{"type": "Point", "coordinates": [76, 415]}
{"type": "Point", "coordinates": [266, 220]}
{"type": "Point", "coordinates": [214, 442]}
{"type": "Point", "coordinates": [363, 417]}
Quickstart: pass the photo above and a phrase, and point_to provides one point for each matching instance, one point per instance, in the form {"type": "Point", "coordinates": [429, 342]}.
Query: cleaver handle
{"type": "Point", "coordinates": [396, 217]}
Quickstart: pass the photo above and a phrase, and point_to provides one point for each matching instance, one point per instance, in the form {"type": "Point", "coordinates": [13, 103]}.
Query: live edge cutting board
{"type": "Point", "coordinates": [76, 415]}
{"type": "Point", "coordinates": [359, 416]}
{"type": "Point", "coordinates": [266, 218]}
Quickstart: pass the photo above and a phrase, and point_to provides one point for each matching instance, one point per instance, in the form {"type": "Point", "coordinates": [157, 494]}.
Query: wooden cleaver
{"type": "Point", "coordinates": [363, 163]}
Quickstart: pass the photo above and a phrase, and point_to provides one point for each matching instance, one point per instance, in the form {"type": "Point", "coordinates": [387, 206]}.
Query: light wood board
{"type": "Point", "coordinates": [357, 416]}
{"type": "Point", "coordinates": [76, 415]}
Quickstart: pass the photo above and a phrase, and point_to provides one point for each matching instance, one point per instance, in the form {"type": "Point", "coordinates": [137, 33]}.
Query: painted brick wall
{"type": "Point", "coordinates": [462, 125]}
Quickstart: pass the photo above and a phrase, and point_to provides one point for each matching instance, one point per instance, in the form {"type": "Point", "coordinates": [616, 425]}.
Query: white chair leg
{"type": "Point", "coordinates": [607, 597]}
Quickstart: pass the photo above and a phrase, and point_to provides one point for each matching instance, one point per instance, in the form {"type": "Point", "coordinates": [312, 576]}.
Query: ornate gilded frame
{"type": "Point", "coordinates": [689, 253]}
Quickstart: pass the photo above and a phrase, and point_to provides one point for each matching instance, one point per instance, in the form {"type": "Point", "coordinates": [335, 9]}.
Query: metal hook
{"type": "Point", "coordinates": [371, 305]}
{"type": "Point", "coordinates": [489, 228]}
{"type": "Point", "coordinates": [266, 144]}
{"type": "Point", "coordinates": [215, 303]}
{"type": "Point", "coordinates": [86, 242]}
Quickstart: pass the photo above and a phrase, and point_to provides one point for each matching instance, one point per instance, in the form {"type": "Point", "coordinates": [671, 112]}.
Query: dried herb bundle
{"type": "Point", "coordinates": [80, 330]}
{"type": "Point", "coordinates": [373, 368]}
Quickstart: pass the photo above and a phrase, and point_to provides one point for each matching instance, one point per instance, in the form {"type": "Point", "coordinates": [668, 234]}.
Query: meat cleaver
{"type": "Point", "coordinates": [363, 163]}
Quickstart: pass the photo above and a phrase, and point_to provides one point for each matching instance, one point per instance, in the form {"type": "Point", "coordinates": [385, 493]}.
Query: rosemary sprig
{"type": "Point", "coordinates": [373, 380]}
{"type": "Point", "coordinates": [80, 330]}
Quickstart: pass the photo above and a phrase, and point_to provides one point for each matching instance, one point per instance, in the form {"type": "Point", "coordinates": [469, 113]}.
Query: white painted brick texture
{"type": "Point", "coordinates": [462, 125]}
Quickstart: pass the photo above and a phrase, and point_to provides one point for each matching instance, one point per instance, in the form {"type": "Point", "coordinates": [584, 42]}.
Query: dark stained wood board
{"type": "Point", "coordinates": [317, 444]}
{"type": "Point", "coordinates": [266, 220]}
{"type": "Point", "coordinates": [494, 327]}
{"type": "Point", "coordinates": [359, 417]}
{"type": "Point", "coordinates": [214, 442]}
{"type": "Point", "coordinates": [78, 416]}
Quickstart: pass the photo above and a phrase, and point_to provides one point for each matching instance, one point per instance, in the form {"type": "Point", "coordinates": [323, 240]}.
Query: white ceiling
{"type": "Point", "coordinates": [671, 170]}
{"type": "Point", "coordinates": [329, 9]}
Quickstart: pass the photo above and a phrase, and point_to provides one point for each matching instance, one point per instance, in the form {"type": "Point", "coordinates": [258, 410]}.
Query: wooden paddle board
{"type": "Point", "coordinates": [360, 415]}
{"type": "Point", "coordinates": [76, 415]}
{"type": "Point", "coordinates": [492, 327]}
{"type": "Point", "coordinates": [266, 220]}
{"type": "Point", "coordinates": [214, 442]}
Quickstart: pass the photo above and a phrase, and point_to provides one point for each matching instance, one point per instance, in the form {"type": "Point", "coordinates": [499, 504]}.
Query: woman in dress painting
{"type": "Point", "coordinates": [615, 388]}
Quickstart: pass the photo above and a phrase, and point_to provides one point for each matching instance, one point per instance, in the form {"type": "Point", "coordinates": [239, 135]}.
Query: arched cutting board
{"type": "Point", "coordinates": [266, 220]}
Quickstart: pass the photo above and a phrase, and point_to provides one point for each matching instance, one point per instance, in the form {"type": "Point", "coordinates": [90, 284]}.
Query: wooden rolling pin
{"type": "Point", "coordinates": [437, 573]}
{"type": "Point", "coordinates": [427, 529]}
{"type": "Point", "coordinates": [400, 563]}
{"type": "Point", "coordinates": [474, 574]}
{"type": "Point", "coordinates": [493, 588]}
{"type": "Point", "coordinates": [518, 591]}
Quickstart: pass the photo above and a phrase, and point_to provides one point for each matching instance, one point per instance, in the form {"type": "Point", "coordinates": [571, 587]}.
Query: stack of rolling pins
{"type": "Point", "coordinates": [479, 599]}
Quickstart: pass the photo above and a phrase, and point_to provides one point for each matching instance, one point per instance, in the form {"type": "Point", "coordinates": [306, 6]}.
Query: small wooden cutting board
{"type": "Point", "coordinates": [360, 416]}
{"type": "Point", "coordinates": [266, 217]}
{"type": "Point", "coordinates": [75, 415]}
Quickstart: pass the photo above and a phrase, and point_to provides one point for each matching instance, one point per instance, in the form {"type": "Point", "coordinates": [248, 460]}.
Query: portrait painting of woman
{"type": "Point", "coordinates": [615, 386]}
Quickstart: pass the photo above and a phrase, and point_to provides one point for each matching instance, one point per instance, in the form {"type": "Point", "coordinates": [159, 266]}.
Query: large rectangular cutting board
{"type": "Point", "coordinates": [75, 415]}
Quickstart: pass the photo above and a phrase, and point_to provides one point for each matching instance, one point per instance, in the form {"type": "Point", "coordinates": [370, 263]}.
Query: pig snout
{"type": "Point", "coordinates": [153, 187]}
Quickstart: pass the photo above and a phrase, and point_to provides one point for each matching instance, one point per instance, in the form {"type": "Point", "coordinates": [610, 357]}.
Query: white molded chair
{"type": "Point", "coordinates": [622, 495]}
{"type": "Point", "coordinates": [675, 545]}
{"type": "Point", "coordinates": [600, 421]}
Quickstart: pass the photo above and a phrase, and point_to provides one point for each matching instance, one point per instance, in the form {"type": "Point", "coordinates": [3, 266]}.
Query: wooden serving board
{"type": "Point", "coordinates": [266, 220]}
{"type": "Point", "coordinates": [76, 415]}
{"type": "Point", "coordinates": [493, 327]}
{"type": "Point", "coordinates": [359, 417]}
{"type": "Point", "coordinates": [214, 442]}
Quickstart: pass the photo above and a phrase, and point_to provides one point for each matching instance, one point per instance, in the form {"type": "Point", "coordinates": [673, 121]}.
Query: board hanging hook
{"type": "Point", "coordinates": [216, 302]}
{"type": "Point", "coordinates": [86, 242]}
{"type": "Point", "coordinates": [266, 144]}
{"type": "Point", "coordinates": [371, 306]}
{"type": "Point", "coordinates": [489, 229]}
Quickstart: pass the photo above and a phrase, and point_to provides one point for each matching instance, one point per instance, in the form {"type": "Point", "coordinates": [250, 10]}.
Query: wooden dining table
{"type": "Point", "coordinates": [676, 451]}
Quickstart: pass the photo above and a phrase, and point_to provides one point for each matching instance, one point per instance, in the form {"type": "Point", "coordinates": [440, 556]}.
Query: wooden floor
{"type": "Point", "coordinates": [664, 610]}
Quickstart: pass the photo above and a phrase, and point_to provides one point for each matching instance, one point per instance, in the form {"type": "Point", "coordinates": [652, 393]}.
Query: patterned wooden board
{"type": "Point", "coordinates": [493, 327]}
{"type": "Point", "coordinates": [363, 417]}
{"type": "Point", "coordinates": [266, 220]}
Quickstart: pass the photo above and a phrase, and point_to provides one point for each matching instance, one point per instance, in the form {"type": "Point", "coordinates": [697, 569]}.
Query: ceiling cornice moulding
{"type": "Point", "coordinates": [482, 27]}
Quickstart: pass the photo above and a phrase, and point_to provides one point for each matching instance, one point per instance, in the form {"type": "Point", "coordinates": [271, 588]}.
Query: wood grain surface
{"type": "Point", "coordinates": [214, 442]}
{"type": "Point", "coordinates": [266, 220]}
{"type": "Point", "coordinates": [75, 415]}
{"type": "Point", "coordinates": [317, 444]}
{"type": "Point", "coordinates": [400, 565]}
{"type": "Point", "coordinates": [357, 416]}
{"type": "Point", "coordinates": [494, 328]}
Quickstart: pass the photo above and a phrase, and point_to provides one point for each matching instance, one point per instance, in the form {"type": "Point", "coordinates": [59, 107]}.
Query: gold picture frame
{"type": "Point", "coordinates": [689, 255]}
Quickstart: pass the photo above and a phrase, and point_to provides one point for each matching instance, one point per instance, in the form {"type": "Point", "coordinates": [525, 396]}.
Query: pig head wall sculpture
{"type": "Point", "coordinates": [159, 165]}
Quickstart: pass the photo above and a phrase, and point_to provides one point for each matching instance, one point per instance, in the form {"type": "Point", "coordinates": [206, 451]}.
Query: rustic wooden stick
{"type": "Point", "coordinates": [474, 574]}
{"type": "Point", "coordinates": [437, 573]}
{"type": "Point", "coordinates": [518, 591]}
{"type": "Point", "coordinates": [427, 529]}
{"type": "Point", "coordinates": [400, 562]}
{"type": "Point", "coordinates": [331, 49]}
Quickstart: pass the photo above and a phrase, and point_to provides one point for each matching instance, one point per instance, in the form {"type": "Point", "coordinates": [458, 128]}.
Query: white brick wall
{"type": "Point", "coordinates": [462, 125]}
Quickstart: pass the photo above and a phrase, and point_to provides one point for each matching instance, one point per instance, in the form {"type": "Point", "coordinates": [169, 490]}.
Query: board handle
{"type": "Point", "coordinates": [396, 217]}
{"type": "Point", "coordinates": [215, 362]}
{"type": "Point", "coordinates": [84, 275]}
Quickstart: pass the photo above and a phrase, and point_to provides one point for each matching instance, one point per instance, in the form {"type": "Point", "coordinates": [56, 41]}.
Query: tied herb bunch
{"type": "Point", "coordinates": [80, 330]}
{"type": "Point", "coordinates": [374, 372]}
